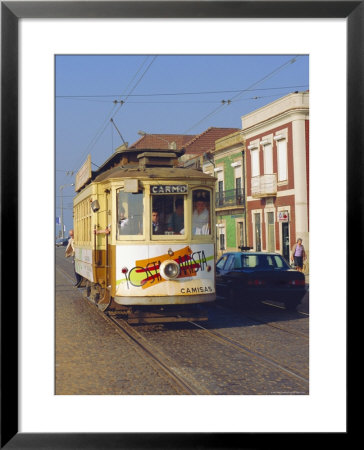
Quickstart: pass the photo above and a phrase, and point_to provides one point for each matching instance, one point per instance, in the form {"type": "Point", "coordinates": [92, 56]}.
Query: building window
{"type": "Point", "coordinates": [282, 160]}
{"type": "Point", "coordinates": [255, 162]}
{"type": "Point", "coordinates": [268, 159]}
{"type": "Point", "coordinates": [240, 233]}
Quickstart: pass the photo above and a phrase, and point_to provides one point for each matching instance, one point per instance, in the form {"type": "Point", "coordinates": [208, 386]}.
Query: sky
{"type": "Point", "coordinates": [172, 94]}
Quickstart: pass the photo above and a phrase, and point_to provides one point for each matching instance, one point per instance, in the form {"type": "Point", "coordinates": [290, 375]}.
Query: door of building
{"type": "Point", "coordinates": [285, 240]}
{"type": "Point", "coordinates": [258, 239]}
{"type": "Point", "coordinates": [241, 240]}
{"type": "Point", "coordinates": [270, 232]}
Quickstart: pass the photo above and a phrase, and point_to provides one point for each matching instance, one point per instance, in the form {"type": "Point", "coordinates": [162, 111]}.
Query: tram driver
{"type": "Point", "coordinates": [201, 215]}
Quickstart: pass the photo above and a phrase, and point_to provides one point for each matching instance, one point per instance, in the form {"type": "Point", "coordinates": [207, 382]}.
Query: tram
{"type": "Point", "coordinates": [145, 236]}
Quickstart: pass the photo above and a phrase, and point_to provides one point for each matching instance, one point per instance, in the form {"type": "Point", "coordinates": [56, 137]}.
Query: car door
{"type": "Point", "coordinates": [221, 269]}
{"type": "Point", "coordinates": [226, 271]}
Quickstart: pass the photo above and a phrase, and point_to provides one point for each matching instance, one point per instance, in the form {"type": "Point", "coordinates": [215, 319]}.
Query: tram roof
{"type": "Point", "coordinates": [130, 171]}
{"type": "Point", "coordinates": [143, 163]}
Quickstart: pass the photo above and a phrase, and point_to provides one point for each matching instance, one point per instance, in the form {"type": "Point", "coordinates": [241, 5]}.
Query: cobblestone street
{"type": "Point", "coordinates": [91, 358]}
{"type": "Point", "coordinates": [265, 355]}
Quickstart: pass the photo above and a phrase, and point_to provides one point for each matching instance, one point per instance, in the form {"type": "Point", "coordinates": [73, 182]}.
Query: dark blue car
{"type": "Point", "coordinates": [243, 277]}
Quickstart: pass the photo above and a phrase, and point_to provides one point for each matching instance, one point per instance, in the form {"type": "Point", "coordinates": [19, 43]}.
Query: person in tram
{"type": "Point", "coordinates": [157, 226]}
{"type": "Point", "coordinates": [123, 222]}
{"type": "Point", "coordinates": [201, 216]}
{"type": "Point", "coordinates": [176, 220]}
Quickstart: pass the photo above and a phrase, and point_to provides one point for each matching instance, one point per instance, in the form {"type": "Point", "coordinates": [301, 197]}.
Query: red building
{"type": "Point", "coordinates": [277, 174]}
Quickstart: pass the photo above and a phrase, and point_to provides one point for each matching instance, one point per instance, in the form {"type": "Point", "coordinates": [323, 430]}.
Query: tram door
{"type": "Point", "coordinates": [285, 240]}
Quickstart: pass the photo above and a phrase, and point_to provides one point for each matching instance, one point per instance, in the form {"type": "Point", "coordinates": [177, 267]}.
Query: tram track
{"type": "Point", "coordinates": [176, 373]}
{"type": "Point", "coordinates": [268, 324]}
{"type": "Point", "coordinates": [189, 385]}
{"type": "Point", "coordinates": [252, 353]}
{"type": "Point", "coordinates": [278, 327]}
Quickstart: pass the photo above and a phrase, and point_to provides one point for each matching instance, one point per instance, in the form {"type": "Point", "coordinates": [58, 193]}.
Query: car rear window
{"type": "Point", "coordinates": [280, 262]}
{"type": "Point", "coordinates": [275, 261]}
{"type": "Point", "coordinates": [247, 261]}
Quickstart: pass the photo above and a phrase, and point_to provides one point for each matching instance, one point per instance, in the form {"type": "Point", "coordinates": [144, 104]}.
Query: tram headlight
{"type": "Point", "coordinates": [169, 269]}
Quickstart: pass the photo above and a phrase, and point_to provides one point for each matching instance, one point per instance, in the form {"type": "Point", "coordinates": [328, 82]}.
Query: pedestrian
{"type": "Point", "coordinates": [70, 251]}
{"type": "Point", "coordinates": [298, 254]}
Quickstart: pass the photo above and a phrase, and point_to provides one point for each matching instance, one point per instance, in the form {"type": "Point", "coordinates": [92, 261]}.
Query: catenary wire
{"type": "Point", "coordinates": [227, 91]}
{"type": "Point", "coordinates": [112, 114]}
{"type": "Point", "coordinates": [244, 91]}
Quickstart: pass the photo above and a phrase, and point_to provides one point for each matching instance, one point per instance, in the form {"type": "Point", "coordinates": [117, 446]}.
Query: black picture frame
{"type": "Point", "coordinates": [11, 12]}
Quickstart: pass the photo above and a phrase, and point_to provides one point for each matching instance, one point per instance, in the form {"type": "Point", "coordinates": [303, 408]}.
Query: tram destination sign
{"type": "Point", "coordinates": [84, 174]}
{"type": "Point", "coordinates": [168, 189]}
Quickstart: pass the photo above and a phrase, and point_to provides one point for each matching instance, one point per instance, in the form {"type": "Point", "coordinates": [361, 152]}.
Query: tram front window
{"type": "Point", "coordinates": [130, 213]}
{"type": "Point", "coordinates": [201, 223]}
{"type": "Point", "coordinates": [167, 214]}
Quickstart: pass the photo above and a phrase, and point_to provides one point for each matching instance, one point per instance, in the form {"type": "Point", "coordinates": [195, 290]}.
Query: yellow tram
{"type": "Point", "coordinates": [145, 236]}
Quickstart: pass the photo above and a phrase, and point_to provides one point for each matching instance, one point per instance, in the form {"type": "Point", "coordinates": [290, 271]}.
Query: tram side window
{"type": "Point", "coordinates": [167, 214]}
{"type": "Point", "coordinates": [201, 222]}
{"type": "Point", "coordinates": [130, 213]}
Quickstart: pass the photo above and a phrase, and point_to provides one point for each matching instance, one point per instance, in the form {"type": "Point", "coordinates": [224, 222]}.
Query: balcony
{"type": "Point", "coordinates": [233, 197]}
{"type": "Point", "coordinates": [264, 185]}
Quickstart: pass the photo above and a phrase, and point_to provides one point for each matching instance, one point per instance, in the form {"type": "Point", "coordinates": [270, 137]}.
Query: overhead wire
{"type": "Point", "coordinates": [222, 103]}
{"type": "Point", "coordinates": [186, 102]}
{"type": "Point", "coordinates": [112, 114]}
{"type": "Point", "coordinates": [225, 103]}
{"type": "Point", "coordinates": [226, 91]}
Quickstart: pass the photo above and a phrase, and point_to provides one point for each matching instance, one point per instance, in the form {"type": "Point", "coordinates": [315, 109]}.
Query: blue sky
{"type": "Point", "coordinates": [182, 94]}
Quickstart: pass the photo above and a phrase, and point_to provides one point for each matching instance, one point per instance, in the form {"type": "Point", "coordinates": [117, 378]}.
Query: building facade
{"type": "Point", "coordinates": [277, 174]}
{"type": "Point", "coordinates": [228, 166]}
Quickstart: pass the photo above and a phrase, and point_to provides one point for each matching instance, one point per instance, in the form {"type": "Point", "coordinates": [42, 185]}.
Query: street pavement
{"type": "Point", "coordinates": [91, 358]}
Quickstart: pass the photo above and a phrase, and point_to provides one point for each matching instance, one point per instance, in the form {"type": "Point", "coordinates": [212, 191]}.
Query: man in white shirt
{"type": "Point", "coordinates": [200, 218]}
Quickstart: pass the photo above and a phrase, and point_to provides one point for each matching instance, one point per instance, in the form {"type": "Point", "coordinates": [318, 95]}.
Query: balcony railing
{"type": "Point", "coordinates": [264, 185]}
{"type": "Point", "coordinates": [232, 197]}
